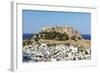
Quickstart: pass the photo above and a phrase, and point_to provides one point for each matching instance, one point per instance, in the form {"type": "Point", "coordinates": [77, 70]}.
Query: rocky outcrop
{"type": "Point", "coordinates": [61, 35]}
{"type": "Point", "coordinates": [58, 32]}
{"type": "Point", "coordinates": [63, 29]}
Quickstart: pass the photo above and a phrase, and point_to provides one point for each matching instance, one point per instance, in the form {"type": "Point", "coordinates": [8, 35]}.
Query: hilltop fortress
{"type": "Point", "coordinates": [63, 29]}
{"type": "Point", "coordinates": [60, 35]}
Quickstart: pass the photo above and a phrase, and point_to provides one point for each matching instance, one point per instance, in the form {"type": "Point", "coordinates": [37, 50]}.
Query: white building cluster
{"type": "Point", "coordinates": [44, 53]}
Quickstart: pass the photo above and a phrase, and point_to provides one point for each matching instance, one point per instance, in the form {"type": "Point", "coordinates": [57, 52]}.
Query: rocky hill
{"type": "Point", "coordinates": [70, 31]}
{"type": "Point", "coordinates": [61, 35]}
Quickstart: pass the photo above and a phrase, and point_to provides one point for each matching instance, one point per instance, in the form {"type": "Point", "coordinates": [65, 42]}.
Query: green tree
{"type": "Point", "coordinates": [36, 39]}
{"type": "Point", "coordinates": [65, 36]}
{"type": "Point", "coordinates": [79, 38]}
{"type": "Point", "coordinates": [27, 42]}
{"type": "Point", "coordinates": [73, 38]}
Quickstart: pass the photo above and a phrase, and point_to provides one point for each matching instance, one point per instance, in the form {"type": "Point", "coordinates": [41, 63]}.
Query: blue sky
{"type": "Point", "coordinates": [34, 20]}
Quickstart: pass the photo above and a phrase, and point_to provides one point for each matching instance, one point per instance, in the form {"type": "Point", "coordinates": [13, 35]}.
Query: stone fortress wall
{"type": "Point", "coordinates": [62, 29]}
